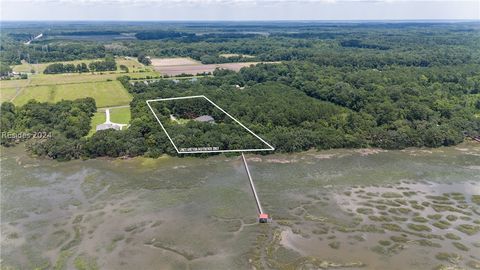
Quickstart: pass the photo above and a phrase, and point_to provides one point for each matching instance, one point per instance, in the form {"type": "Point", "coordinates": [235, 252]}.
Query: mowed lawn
{"type": "Point", "coordinates": [97, 119]}
{"type": "Point", "coordinates": [120, 115]}
{"type": "Point", "coordinates": [6, 94]}
{"type": "Point", "coordinates": [107, 93]}
{"type": "Point", "coordinates": [117, 115]}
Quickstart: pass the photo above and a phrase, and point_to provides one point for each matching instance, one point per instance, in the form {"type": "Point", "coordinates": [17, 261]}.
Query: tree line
{"type": "Point", "coordinates": [108, 64]}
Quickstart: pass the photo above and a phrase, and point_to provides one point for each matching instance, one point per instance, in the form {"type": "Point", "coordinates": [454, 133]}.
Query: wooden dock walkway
{"type": "Point", "coordinates": [252, 186]}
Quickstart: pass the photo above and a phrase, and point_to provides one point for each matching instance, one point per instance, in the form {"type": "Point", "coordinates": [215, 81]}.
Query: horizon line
{"type": "Point", "coordinates": [256, 20]}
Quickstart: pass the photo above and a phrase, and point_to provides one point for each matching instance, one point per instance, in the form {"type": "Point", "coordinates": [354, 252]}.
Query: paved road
{"type": "Point", "coordinates": [114, 107]}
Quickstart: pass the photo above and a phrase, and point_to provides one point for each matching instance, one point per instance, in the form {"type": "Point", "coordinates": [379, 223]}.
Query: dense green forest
{"type": "Point", "coordinates": [57, 129]}
{"type": "Point", "coordinates": [388, 85]}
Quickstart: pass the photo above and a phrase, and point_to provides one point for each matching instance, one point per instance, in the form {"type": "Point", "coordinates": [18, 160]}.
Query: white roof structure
{"type": "Point", "coordinates": [204, 118]}
{"type": "Point", "coordinates": [108, 124]}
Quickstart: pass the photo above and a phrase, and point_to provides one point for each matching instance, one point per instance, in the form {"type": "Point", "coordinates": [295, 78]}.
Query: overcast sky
{"type": "Point", "coordinates": [240, 10]}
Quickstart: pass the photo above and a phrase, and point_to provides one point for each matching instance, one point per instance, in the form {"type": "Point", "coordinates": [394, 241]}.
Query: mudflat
{"type": "Point", "coordinates": [363, 209]}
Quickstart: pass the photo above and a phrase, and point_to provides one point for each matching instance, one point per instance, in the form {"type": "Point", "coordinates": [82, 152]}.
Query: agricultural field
{"type": "Point", "coordinates": [102, 86]}
{"type": "Point", "coordinates": [106, 94]}
{"type": "Point", "coordinates": [13, 83]}
{"type": "Point", "coordinates": [174, 61]}
{"type": "Point", "coordinates": [177, 66]}
{"type": "Point", "coordinates": [44, 79]}
{"type": "Point", "coordinates": [6, 94]}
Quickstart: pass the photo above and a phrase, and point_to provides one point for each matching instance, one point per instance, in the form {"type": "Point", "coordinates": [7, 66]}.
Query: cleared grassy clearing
{"type": "Point", "coordinates": [6, 94]}
{"type": "Point", "coordinates": [98, 118]}
{"type": "Point", "coordinates": [132, 64]}
{"type": "Point", "coordinates": [105, 93]}
{"type": "Point", "coordinates": [228, 55]}
{"type": "Point", "coordinates": [120, 115]}
{"type": "Point", "coordinates": [182, 121]}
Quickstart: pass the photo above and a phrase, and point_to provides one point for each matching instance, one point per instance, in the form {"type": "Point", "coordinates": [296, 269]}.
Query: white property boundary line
{"type": "Point", "coordinates": [271, 148]}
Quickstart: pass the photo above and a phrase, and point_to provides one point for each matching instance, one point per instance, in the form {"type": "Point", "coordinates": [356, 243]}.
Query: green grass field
{"type": "Point", "coordinates": [98, 118]}
{"type": "Point", "coordinates": [13, 83]}
{"type": "Point", "coordinates": [102, 86]}
{"type": "Point", "coordinates": [44, 79]}
{"type": "Point", "coordinates": [132, 64]}
{"type": "Point", "coordinates": [105, 94]}
{"type": "Point", "coordinates": [7, 93]}
{"type": "Point", "coordinates": [120, 115]}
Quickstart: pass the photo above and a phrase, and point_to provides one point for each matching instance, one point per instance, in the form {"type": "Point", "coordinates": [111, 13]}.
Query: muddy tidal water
{"type": "Point", "coordinates": [337, 209]}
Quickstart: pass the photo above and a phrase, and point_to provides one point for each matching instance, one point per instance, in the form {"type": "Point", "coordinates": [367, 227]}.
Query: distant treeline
{"type": "Point", "coordinates": [147, 35]}
{"type": "Point", "coordinates": [355, 43]}
{"type": "Point", "coordinates": [21, 36]}
{"type": "Point", "coordinates": [108, 64]}
{"type": "Point", "coordinates": [191, 37]}
{"type": "Point", "coordinates": [366, 45]}
{"type": "Point", "coordinates": [87, 33]}
{"type": "Point", "coordinates": [309, 35]}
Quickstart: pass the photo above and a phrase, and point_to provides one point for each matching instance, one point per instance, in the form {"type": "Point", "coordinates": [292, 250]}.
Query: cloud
{"type": "Point", "coordinates": [239, 9]}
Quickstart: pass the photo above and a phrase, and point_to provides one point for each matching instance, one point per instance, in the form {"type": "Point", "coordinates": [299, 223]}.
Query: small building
{"type": "Point", "coordinates": [205, 119]}
{"type": "Point", "coordinates": [263, 218]}
{"type": "Point", "coordinates": [105, 126]}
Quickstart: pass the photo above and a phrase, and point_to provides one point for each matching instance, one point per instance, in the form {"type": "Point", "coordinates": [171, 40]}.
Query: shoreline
{"type": "Point", "coordinates": [271, 157]}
